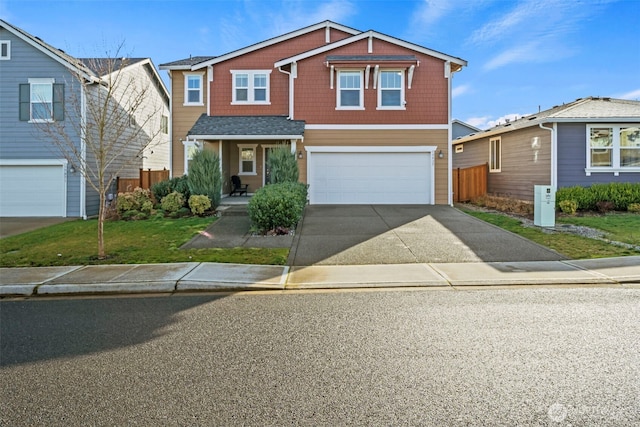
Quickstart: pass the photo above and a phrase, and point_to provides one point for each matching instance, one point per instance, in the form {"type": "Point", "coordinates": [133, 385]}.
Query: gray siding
{"type": "Point", "coordinates": [572, 159]}
{"type": "Point", "coordinates": [23, 140]}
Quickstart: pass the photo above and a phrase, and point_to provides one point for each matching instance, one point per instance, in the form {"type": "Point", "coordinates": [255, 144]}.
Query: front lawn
{"type": "Point", "coordinates": [126, 242]}
{"type": "Point", "coordinates": [571, 245]}
{"type": "Point", "coordinates": [619, 226]}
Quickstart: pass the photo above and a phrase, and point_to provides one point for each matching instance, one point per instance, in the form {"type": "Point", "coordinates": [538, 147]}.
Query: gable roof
{"type": "Point", "coordinates": [246, 127]}
{"type": "Point", "coordinates": [373, 34]}
{"type": "Point", "coordinates": [54, 53]}
{"type": "Point", "coordinates": [269, 42]}
{"type": "Point", "coordinates": [185, 64]}
{"type": "Point", "coordinates": [591, 109]}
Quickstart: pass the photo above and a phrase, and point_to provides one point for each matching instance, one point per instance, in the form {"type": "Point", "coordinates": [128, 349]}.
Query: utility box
{"type": "Point", "coordinates": [544, 209]}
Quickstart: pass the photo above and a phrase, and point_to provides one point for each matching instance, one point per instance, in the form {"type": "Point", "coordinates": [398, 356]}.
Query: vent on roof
{"type": "Point", "coordinates": [533, 117]}
{"type": "Point", "coordinates": [508, 124]}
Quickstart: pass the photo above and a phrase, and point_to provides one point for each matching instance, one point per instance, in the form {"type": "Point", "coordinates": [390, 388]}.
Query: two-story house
{"type": "Point", "coordinates": [367, 115]}
{"type": "Point", "coordinates": [39, 86]}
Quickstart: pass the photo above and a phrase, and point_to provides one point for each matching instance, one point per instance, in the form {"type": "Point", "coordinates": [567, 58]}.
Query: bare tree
{"type": "Point", "coordinates": [110, 110]}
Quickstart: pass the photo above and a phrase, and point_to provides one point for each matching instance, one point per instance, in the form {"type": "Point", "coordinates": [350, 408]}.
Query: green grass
{"type": "Point", "coordinates": [570, 245]}
{"type": "Point", "coordinates": [619, 226]}
{"type": "Point", "coordinates": [126, 242]}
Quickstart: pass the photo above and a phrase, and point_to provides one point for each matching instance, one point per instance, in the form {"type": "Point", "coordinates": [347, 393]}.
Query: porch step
{"type": "Point", "coordinates": [233, 210]}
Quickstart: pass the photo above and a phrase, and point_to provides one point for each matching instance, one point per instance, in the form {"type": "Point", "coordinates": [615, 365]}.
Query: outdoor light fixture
{"type": "Point", "coordinates": [300, 154]}
{"type": "Point", "coordinates": [441, 155]}
{"type": "Point", "coordinates": [72, 169]}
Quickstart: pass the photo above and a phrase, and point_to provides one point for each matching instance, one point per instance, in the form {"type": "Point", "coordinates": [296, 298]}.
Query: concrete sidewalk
{"type": "Point", "coordinates": [182, 277]}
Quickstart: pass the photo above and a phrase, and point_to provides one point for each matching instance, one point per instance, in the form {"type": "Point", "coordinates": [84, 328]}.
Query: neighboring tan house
{"type": "Point", "coordinates": [38, 84]}
{"type": "Point", "coordinates": [590, 140]}
{"type": "Point", "coordinates": [367, 115]}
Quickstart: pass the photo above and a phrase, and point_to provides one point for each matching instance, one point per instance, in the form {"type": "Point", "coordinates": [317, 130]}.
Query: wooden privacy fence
{"type": "Point", "coordinates": [469, 183]}
{"type": "Point", "coordinates": [146, 179]}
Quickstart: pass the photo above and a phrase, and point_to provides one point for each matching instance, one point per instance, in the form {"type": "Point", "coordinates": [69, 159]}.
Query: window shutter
{"type": "Point", "coordinates": [58, 102]}
{"type": "Point", "coordinates": [25, 102]}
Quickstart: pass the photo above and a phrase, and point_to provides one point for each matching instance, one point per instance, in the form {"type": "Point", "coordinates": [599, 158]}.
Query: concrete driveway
{"type": "Point", "coordinates": [10, 226]}
{"type": "Point", "coordinates": [392, 234]}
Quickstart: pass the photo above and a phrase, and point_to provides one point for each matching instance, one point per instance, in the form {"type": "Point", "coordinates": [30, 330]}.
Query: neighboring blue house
{"type": "Point", "coordinates": [460, 129]}
{"type": "Point", "coordinates": [36, 84]}
{"type": "Point", "coordinates": [590, 140]}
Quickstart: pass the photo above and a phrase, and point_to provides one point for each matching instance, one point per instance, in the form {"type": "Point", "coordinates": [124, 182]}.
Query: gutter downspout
{"type": "Point", "coordinates": [83, 152]}
{"type": "Point", "coordinates": [554, 157]}
{"type": "Point", "coordinates": [171, 125]}
{"type": "Point", "coordinates": [292, 75]}
{"type": "Point", "coordinates": [449, 75]}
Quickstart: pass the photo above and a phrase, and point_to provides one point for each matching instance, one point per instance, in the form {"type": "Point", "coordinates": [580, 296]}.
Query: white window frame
{"type": "Point", "coordinates": [339, 90]}
{"type": "Point", "coordinates": [255, 155]}
{"type": "Point", "coordinates": [7, 45]}
{"type": "Point", "coordinates": [381, 89]}
{"type": "Point", "coordinates": [616, 147]}
{"type": "Point", "coordinates": [200, 77]}
{"type": "Point", "coordinates": [251, 88]}
{"type": "Point", "coordinates": [495, 154]}
{"type": "Point", "coordinates": [40, 81]}
{"type": "Point", "coordinates": [189, 146]}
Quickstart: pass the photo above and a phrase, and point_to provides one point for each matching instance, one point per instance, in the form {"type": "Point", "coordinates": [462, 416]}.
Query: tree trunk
{"type": "Point", "coordinates": [101, 215]}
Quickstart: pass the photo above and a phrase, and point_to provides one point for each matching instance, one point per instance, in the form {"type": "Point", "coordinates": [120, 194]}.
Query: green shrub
{"type": "Point", "coordinates": [282, 165]}
{"type": "Point", "coordinates": [634, 207]}
{"type": "Point", "coordinates": [180, 184]}
{"type": "Point", "coordinates": [205, 177]}
{"type": "Point", "coordinates": [199, 204]}
{"type": "Point", "coordinates": [619, 194]}
{"type": "Point", "coordinates": [568, 206]}
{"type": "Point", "coordinates": [277, 206]}
{"type": "Point", "coordinates": [134, 205]}
{"type": "Point", "coordinates": [172, 202]}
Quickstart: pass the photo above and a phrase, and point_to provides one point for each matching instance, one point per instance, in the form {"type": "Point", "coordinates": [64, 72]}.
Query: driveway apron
{"type": "Point", "coordinates": [401, 234]}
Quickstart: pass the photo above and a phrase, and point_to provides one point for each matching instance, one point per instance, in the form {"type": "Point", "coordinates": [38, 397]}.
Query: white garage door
{"type": "Point", "coordinates": [370, 178]}
{"type": "Point", "coordinates": [32, 190]}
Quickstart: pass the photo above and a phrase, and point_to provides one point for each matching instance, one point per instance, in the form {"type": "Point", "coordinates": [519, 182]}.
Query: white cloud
{"type": "Point", "coordinates": [460, 90]}
{"type": "Point", "coordinates": [479, 122]}
{"type": "Point", "coordinates": [485, 122]}
{"type": "Point", "coordinates": [633, 95]}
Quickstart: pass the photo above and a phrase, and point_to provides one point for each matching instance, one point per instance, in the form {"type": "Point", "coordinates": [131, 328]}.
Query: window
{"type": "Point", "coordinates": [193, 89]}
{"type": "Point", "coordinates": [250, 87]}
{"type": "Point", "coordinates": [350, 93]}
{"type": "Point", "coordinates": [164, 124]}
{"type": "Point", "coordinates": [247, 154]}
{"type": "Point", "coordinates": [5, 50]}
{"type": "Point", "coordinates": [613, 147]}
{"type": "Point", "coordinates": [41, 100]}
{"type": "Point", "coordinates": [391, 89]}
{"type": "Point", "coordinates": [495, 155]}
{"type": "Point", "coordinates": [191, 147]}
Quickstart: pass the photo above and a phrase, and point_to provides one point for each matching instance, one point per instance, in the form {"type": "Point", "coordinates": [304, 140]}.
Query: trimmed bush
{"type": "Point", "coordinates": [172, 202]}
{"type": "Point", "coordinates": [134, 205]}
{"type": "Point", "coordinates": [162, 189]}
{"type": "Point", "coordinates": [619, 194]}
{"type": "Point", "coordinates": [277, 206]}
{"type": "Point", "coordinates": [568, 206]}
{"type": "Point", "coordinates": [199, 204]}
{"type": "Point", "coordinates": [282, 165]}
{"type": "Point", "coordinates": [205, 177]}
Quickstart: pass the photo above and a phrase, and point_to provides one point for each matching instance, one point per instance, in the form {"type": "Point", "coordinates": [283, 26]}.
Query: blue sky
{"type": "Point", "coordinates": [523, 55]}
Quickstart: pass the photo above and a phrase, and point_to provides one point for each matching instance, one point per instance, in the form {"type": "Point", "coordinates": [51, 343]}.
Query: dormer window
{"type": "Point", "coordinates": [250, 86]}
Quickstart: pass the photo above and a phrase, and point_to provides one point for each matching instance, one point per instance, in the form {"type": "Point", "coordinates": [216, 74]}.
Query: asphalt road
{"type": "Point", "coordinates": [402, 357]}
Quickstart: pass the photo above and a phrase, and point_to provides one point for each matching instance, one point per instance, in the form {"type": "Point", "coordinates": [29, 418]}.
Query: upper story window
{"type": "Point", "coordinates": [193, 89]}
{"type": "Point", "coordinates": [5, 50]}
{"type": "Point", "coordinates": [613, 146]}
{"type": "Point", "coordinates": [495, 155]}
{"type": "Point", "coordinates": [250, 87]}
{"type": "Point", "coordinates": [350, 94]}
{"type": "Point", "coordinates": [41, 100]}
{"type": "Point", "coordinates": [164, 124]}
{"type": "Point", "coordinates": [391, 90]}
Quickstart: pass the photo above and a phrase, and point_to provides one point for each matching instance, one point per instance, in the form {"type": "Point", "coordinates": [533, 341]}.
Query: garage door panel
{"type": "Point", "coordinates": [32, 190]}
{"type": "Point", "coordinates": [370, 178]}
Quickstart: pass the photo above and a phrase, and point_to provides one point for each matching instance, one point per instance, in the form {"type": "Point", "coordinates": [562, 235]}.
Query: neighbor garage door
{"type": "Point", "coordinates": [32, 190]}
{"type": "Point", "coordinates": [370, 177]}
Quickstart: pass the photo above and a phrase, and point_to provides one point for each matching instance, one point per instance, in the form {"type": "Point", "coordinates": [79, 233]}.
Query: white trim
{"type": "Point", "coordinates": [373, 34]}
{"type": "Point", "coordinates": [83, 152]}
{"type": "Point", "coordinates": [371, 149]}
{"type": "Point", "coordinates": [616, 149]}
{"type": "Point", "coordinates": [275, 40]}
{"type": "Point", "coordinates": [254, 147]}
{"type": "Point", "coordinates": [449, 137]}
{"type": "Point", "coordinates": [499, 158]}
{"type": "Point", "coordinates": [185, 101]}
{"type": "Point", "coordinates": [8, 55]}
{"type": "Point", "coordinates": [339, 89]}
{"type": "Point", "coordinates": [403, 101]}
{"type": "Point", "coordinates": [443, 126]}
{"type": "Point", "coordinates": [186, 145]}
{"type": "Point", "coordinates": [250, 87]}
